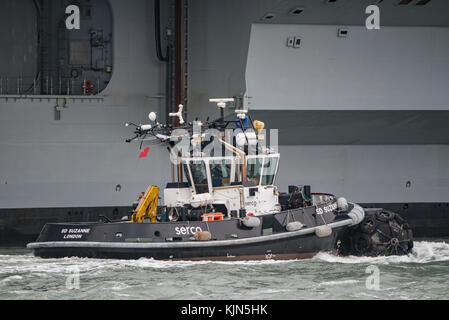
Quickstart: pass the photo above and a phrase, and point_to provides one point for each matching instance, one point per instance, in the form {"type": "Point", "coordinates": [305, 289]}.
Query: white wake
{"type": "Point", "coordinates": [423, 252]}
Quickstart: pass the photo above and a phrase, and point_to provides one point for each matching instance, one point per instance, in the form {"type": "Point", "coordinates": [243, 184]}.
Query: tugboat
{"type": "Point", "coordinates": [222, 204]}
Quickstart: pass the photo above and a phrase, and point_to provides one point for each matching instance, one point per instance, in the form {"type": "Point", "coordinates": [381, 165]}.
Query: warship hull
{"type": "Point", "coordinates": [63, 163]}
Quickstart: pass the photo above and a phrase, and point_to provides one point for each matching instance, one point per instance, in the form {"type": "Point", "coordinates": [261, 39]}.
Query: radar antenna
{"type": "Point", "coordinates": [178, 114]}
{"type": "Point", "coordinates": [221, 103]}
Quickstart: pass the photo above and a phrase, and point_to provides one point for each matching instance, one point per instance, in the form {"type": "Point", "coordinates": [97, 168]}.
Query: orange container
{"type": "Point", "coordinates": [217, 216]}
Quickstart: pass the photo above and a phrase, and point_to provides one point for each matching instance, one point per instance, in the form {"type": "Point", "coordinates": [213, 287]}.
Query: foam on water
{"type": "Point", "coordinates": [337, 282]}
{"type": "Point", "coordinates": [29, 263]}
{"type": "Point", "coordinates": [423, 252]}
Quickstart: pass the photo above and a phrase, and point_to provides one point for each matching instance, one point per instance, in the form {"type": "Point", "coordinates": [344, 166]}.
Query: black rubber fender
{"type": "Point", "coordinates": [368, 225]}
{"type": "Point", "coordinates": [381, 233]}
{"type": "Point", "coordinates": [400, 220]}
{"type": "Point", "coordinates": [385, 215]}
{"type": "Point", "coordinates": [410, 236]}
{"type": "Point", "coordinates": [362, 243]}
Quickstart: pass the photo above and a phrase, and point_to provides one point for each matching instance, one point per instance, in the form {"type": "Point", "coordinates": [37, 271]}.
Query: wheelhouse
{"type": "Point", "coordinates": [207, 174]}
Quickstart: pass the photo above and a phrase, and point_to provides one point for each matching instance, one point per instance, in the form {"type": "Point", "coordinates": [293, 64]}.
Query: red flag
{"type": "Point", "coordinates": [144, 153]}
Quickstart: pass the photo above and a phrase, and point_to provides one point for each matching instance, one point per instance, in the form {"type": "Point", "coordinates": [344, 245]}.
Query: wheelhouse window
{"type": "Point", "coordinates": [187, 174]}
{"type": "Point", "coordinates": [237, 170]}
{"type": "Point", "coordinates": [220, 171]}
{"type": "Point", "coordinates": [253, 168]}
{"type": "Point", "coordinates": [199, 176]}
{"type": "Point", "coordinates": [269, 170]}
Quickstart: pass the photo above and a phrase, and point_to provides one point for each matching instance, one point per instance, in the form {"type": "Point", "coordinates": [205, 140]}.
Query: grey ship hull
{"type": "Point", "coordinates": [78, 168]}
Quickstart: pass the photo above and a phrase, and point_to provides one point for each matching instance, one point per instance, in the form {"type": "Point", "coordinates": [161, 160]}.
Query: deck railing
{"type": "Point", "coordinates": [29, 86]}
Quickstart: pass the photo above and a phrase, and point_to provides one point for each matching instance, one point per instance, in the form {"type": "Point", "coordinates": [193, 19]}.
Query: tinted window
{"type": "Point", "coordinates": [269, 171]}
{"type": "Point", "coordinates": [186, 173]}
{"type": "Point", "coordinates": [220, 171]}
{"type": "Point", "coordinates": [253, 170]}
{"type": "Point", "coordinates": [199, 176]}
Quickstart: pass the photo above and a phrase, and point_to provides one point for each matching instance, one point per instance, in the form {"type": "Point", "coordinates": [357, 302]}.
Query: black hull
{"type": "Point", "coordinates": [299, 247]}
{"type": "Point", "coordinates": [291, 234]}
{"type": "Point", "coordinates": [231, 238]}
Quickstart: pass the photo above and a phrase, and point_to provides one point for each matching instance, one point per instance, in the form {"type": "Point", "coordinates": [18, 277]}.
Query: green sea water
{"type": "Point", "coordinates": [421, 275]}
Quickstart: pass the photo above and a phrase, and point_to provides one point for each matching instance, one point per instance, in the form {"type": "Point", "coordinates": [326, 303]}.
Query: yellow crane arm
{"type": "Point", "coordinates": [147, 207]}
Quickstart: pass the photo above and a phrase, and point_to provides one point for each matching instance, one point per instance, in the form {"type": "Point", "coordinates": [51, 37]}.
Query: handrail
{"type": "Point", "coordinates": [239, 152]}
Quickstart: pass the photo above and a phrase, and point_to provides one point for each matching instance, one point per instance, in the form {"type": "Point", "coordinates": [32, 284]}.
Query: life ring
{"type": "Point", "coordinates": [88, 86]}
